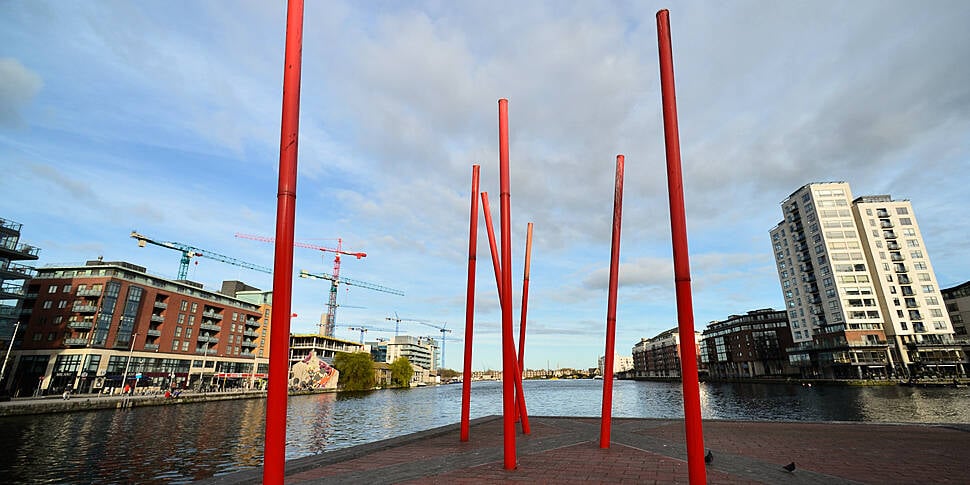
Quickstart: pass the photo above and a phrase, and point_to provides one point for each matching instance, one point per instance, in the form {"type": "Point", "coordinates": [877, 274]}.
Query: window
{"type": "Point", "coordinates": [909, 232]}
{"type": "Point", "coordinates": [235, 316]}
{"type": "Point", "coordinates": [928, 288]}
{"type": "Point", "coordinates": [58, 319]}
{"type": "Point", "coordinates": [188, 332]}
{"type": "Point", "coordinates": [51, 336]}
{"type": "Point", "coordinates": [936, 312]}
{"type": "Point", "coordinates": [185, 345]}
{"type": "Point", "coordinates": [919, 265]}
{"type": "Point", "coordinates": [903, 325]}
{"type": "Point", "coordinates": [912, 243]}
{"type": "Point", "coordinates": [175, 345]}
{"type": "Point", "coordinates": [48, 304]}
{"type": "Point", "coordinates": [62, 304]}
{"type": "Point", "coordinates": [184, 305]}
{"type": "Point", "coordinates": [195, 307]}
{"type": "Point", "coordinates": [924, 277]}
{"type": "Point", "coordinates": [916, 254]}
{"type": "Point", "coordinates": [905, 221]}
{"type": "Point", "coordinates": [178, 331]}
{"type": "Point", "coordinates": [181, 318]}
{"type": "Point", "coordinates": [868, 212]}
{"type": "Point", "coordinates": [37, 337]}
{"type": "Point", "coordinates": [52, 289]}
{"type": "Point", "coordinates": [931, 300]}
{"type": "Point", "coordinates": [67, 288]}
{"type": "Point", "coordinates": [191, 320]}
{"type": "Point", "coordinates": [939, 325]}
{"type": "Point", "coordinates": [901, 211]}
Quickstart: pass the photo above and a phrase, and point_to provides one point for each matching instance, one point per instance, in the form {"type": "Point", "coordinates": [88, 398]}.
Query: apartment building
{"type": "Point", "coordinates": [660, 356]}
{"type": "Point", "coordinates": [859, 289]}
{"type": "Point", "coordinates": [957, 301]}
{"type": "Point", "coordinates": [12, 277]}
{"type": "Point", "coordinates": [422, 352]}
{"type": "Point", "coordinates": [621, 363]}
{"type": "Point", "coordinates": [100, 326]}
{"type": "Point", "coordinates": [749, 345]}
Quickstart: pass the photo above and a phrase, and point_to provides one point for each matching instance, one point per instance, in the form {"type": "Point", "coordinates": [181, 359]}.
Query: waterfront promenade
{"type": "Point", "coordinates": [647, 451]}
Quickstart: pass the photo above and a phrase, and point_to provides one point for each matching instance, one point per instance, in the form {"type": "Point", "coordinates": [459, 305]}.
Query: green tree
{"type": "Point", "coordinates": [448, 373]}
{"type": "Point", "coordinates": [356, 371]}
{"type": "Point", "coordinates": [401, 372]}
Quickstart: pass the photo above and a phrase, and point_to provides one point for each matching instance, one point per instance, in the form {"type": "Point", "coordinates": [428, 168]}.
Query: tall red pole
{"type": "Point", "coordinates": [466, 382]}
{"type": "Point", "coordinates": [508, 346]}
{"type": "Point", "coordinates": [678, 230]}
{"type": "Point", "coordinates": [274, 447]}
{"type": "Point", "coordinates": [607, 414]}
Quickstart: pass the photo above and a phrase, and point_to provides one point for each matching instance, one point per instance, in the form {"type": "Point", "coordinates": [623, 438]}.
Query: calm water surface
{"type": "Point", "coordinates": [179, 444]}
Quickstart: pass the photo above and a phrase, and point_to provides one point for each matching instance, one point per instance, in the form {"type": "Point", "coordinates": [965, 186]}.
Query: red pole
{"type": "Point", "coordinates": [508, 346]}
{"type": "Point", "coordinates": [466, 382]}
{"type": "Point", "coordinates": [520, 397]}
{"type": "Point", "coordinates": [678, 230]}
{"type": "Point", "coordinates": [490, 230]}
{"type": "Point", "coordinates": [607, 414]}
{"type": "Point", "coordinates": [274, 446]}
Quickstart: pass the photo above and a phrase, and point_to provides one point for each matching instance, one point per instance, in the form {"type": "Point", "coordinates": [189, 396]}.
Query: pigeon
{"type": "Point", "coordinates": [709, 457]}
{"type": "Point", "coordinates": [789, 467]}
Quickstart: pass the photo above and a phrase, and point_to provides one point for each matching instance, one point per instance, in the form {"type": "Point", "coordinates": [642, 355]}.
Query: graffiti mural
{"type": "Point", "coordinates": [312, 373]}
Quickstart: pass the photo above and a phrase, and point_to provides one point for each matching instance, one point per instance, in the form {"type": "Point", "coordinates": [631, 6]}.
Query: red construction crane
{"type": "Point", "coordinates": [327, 328]}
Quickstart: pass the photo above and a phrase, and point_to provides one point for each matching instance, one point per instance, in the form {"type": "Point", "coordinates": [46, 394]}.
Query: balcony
{"type": "Point", "coordinates": [10, 288]}
{"type": "Point", "coordinates": [252, 322]}
{"type": "Point", "coordinates": [151, 346]}
{"type": "Point", "coordinates": [76, 342]}
{"type": "Point", "coordinates": [247, 354]}
{"type": "Point", "coordinates": [885, 224]}
{"type": "Point", "coordinates": [897, 257]}
{"type": "Point", "coordinates": [153, 333]}
{"type": "Point", "coordinates": [84, 308]}
{"type": "Point", "coordinates": [203, 351]}
{"type": "Point", "coordinates": [89, 292]}
{"type": "Point", "coordinates": [248, 344]}
{"type": "Point", "coordinates": [161, 305]}
{"type": "Point", "coordinates": [915, 315]}
{"type": "Point", "coordinates": [250, 333]}
{"type": "Point", "coordinates": [17, 271]}
{"type": "Point", "coordinates": [210, 327]}
{"type": "Point", "coordinates": [893, 246]}
{"type": "Point", "coordinates": [25, 250]}
{"type": "Point", "coordinates": [206, 338]}
{"type": "Point", "coordinates": [882, 213]}
{"type": "Point", "coordinates": [212, 315]}
{"type": "Point", "coordinates": [10, 225]}
{"type": "Point", "coordinates": [158, 318]}
{"type": "Point", "coordinates": [80, 325]}
{"type": "Point", "coordinates": [911, 303]}
{"type": "Point", "coordinates": [904, 280]}
{"type": "Point", "coordinates": [889, 234]}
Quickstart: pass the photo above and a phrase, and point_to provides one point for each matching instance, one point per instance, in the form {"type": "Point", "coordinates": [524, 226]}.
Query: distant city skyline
{"type": "Point", "coordinates": [163, 117]}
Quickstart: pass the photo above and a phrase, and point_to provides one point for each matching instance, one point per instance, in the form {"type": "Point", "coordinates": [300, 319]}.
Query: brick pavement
{"type": "Point", "coordinates": [645, 451]}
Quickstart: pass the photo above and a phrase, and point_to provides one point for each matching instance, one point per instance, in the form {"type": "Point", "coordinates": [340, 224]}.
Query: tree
{"type": "Point", "coordinates": [356, 371]}
{"type": "Point", "coordinates": [401, 372]}
{"type": "Point", "coordinates": [448, 373]}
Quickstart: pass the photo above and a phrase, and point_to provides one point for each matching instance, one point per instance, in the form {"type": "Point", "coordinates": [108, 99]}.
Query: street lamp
{"type": "Point", "coordinates": [124, 377]}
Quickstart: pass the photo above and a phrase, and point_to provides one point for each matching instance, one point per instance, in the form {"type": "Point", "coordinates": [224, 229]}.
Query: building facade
{"type": "Point", "coordinates": [660, 356]}
{"type": "Point", "coordinates": [859, 289]}
{"type": "Point", "coordinates": [746, 346]}
{"type": "Point", "coordinates": [13, 275]}
{"type": "Point", "coordinates": [621, 363]}
{"type": "Point", "coordinates": [422, 352]}
{"type": "Point", "coordinates": [103, 326]}
{"type": "Point", "coordinates": [957, 300]}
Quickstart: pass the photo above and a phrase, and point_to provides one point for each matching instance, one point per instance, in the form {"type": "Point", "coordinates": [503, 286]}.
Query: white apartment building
{"type": "Point", "coordinates": [621, 363]}
{"type": "Point", "coordinates": [859, 288]}
{"type": "Point", "coordinates": [420, 351]}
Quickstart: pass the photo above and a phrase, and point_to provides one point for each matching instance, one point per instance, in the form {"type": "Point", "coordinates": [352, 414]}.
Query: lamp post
{"type": "Point", "coordinates": [205, 353]}
{"type": "Point", "coordinates": [124, 377]}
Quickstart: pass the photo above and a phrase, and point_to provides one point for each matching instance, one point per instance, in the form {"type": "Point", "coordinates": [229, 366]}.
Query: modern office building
{"type": "Point", "coordinates": [957, 300]}
{"type": "Point", "coordinates": [12, 277]}
{"type": "Point", "coordinates": [859, 289]}
{"type": "Point", "coordinates": [325, 348]}
{"type": "Point", "coordinates": [749, 345]}
{"type": "Point", "coordinates": [660, 356]}
{"type": "Point", "coordinates": [84, 322]}
{"type": "Point", "coordinates": [422, 352]}
{"type": "Point", "coordinates": [264, 299]}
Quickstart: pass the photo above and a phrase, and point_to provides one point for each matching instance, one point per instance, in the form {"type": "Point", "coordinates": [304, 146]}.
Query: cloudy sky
{"type": "Point", "coordinates": [163, 117]}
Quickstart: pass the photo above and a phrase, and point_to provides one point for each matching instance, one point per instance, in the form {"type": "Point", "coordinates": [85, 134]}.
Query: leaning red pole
{"type": "Point", "coordinates": [492, 244]}
{"type": "Point", "coordinates": [607, 414]}
{"type": "Point", "coordinates": [520, 398]}
{"type": "Point", "coordinates": [508, 346]}
{"type": "Point", "coordinates": [466, 381]}
{"type": "Point", "coordinates": [678, 230]}
{"type": "Point", "coordinates": [274, 446]}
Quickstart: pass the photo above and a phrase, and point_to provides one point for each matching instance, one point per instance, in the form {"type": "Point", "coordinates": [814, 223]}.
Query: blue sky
{"type": "Point", "coordinates": [163, 117]}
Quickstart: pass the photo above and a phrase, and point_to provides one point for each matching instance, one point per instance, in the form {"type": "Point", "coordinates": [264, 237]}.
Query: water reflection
{"type": "Point", "coordinates": [180, 444]}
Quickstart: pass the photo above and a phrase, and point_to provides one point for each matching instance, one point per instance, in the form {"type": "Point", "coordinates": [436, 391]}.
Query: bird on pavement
{"type": "Point", "coordinates": [789, 467]}
{"type": "Point", "coordinates": [709, 457]}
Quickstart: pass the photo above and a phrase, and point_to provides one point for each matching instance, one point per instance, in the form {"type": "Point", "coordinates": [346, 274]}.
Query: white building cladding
{"type": "Point", "coordinates": [860, 293]}
{"type": "Point", "coordinates": [420, 351]}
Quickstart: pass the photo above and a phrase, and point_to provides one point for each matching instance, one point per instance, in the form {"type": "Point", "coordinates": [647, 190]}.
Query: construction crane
{"type": "Point", "coordinates": [328, 327]}
{"type": "Point", "coordinates": [363, 330]}
{"type": "Point", "coordinates": [189, 252]}
{"type": "Point", "coordinates": [397, 322]}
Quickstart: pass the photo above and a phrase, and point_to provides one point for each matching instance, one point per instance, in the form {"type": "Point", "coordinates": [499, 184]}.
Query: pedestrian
{"type": "Point", "coordinates": [67, 394]}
